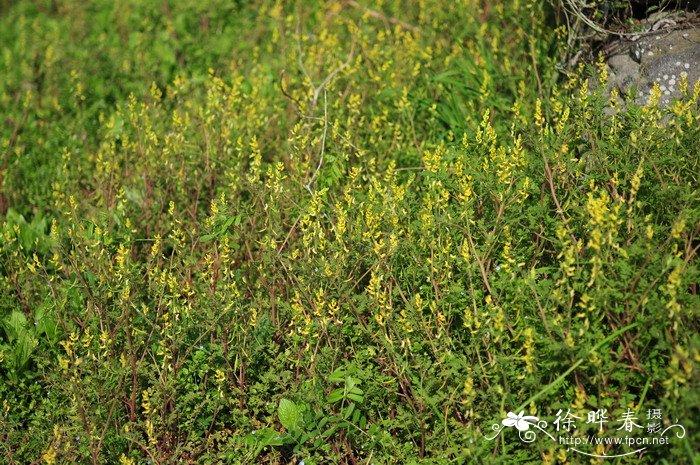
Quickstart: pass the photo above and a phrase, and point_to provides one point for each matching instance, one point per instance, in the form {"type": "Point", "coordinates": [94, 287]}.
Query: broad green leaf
{"type": "Point", "coordinates": [288, 414]}
{"type": "Point", "coordinates": [14, 325]}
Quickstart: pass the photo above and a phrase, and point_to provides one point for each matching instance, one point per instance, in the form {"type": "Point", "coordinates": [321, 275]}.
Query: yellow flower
{"type": "Point", "coordinates": [677, 228]}
{"type": "Point", "coordinates": [50, 456]}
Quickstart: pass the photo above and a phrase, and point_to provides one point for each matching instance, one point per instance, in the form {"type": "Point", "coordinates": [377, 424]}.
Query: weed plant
{"type": "Point", "coordinates": [320, 233]}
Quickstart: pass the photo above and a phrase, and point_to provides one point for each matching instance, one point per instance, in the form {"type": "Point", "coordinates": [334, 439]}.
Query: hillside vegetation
{"type": "Point", "coordinates": [333, 233]}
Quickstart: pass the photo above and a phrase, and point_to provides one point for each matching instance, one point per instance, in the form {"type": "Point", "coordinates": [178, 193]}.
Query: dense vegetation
{"type": "Point", "coordinates": [286, 232]}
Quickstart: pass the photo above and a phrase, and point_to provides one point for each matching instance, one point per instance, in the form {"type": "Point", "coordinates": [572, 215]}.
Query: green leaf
{"type": "Point", "coordinates": [348, 411]}
{"type": "Point", "coordinates": [323, 422]}
{"type": "Point", "coordinates": [329, 432]}
{"type": "Point", "coordinates": [14, 325]}
{"type": "Point", "coordinates": [45, 323]}
{"type": "Point", "coordinates": [336, 395]}
{"type": "Point", "coordinates": [288, 414]}
{"type": "Point", "coordinates": [338, 376]}
{"type": "Point", "coordinates": [356, 394]}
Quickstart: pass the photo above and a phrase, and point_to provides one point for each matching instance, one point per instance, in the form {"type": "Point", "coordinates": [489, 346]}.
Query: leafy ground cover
{"type": "Point", "coordinates": [333, 233]}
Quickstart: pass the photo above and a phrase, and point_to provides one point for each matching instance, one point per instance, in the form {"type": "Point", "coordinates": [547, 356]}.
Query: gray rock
{"type": "Point", "coordinates": [624, 72]}
{"type": "Point", "coordinates": [664, 57]}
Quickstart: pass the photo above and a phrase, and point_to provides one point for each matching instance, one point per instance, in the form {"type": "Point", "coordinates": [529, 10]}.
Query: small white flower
{"type": "Point", "coordinates": [520, 421]}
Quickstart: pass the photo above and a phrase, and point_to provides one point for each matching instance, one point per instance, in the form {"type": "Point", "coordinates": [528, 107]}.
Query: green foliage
{"type": "Point", "coordinates": [289, 415]}
{"type": "Point", "coordinates": [283, 232]}
{"type": "Point", "coordinates": [20, 343]}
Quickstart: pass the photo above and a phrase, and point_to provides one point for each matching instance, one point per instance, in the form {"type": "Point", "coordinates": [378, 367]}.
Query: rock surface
{"type": "Point", "coordinates": [664, 57]}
